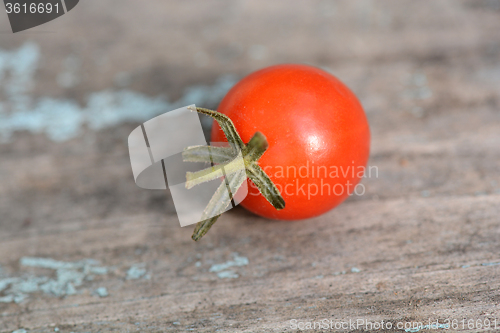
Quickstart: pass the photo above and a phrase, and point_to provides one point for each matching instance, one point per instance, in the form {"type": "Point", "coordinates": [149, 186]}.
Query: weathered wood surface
{"type": "Point", "coordinates": [423, 242]}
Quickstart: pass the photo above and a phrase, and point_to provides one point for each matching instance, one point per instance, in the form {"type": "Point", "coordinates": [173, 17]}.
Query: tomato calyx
{"type": "Point", "coordinates": [226, 162]}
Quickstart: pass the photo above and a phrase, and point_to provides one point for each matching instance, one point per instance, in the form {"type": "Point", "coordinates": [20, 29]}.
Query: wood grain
{"type": "Point", "coordinates": [421, 244]}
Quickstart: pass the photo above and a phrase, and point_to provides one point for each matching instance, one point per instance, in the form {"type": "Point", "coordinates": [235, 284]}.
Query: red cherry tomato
{"type": "Point", "coordinates": [313, 123]}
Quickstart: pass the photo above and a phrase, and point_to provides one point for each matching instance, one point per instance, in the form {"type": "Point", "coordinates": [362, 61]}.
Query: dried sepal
{"type": "Point", "coordinates": [229, 166]}
{"type": "Point", "coordinates": [219, 202]}
{"type": "Point", "coordinates": [213, 172]}
{"type": "Point", "coordinates": [265, 186]}
{"type": "Point", "coordinates": [226, 125]}
{"type": "Point", "coordinates": [208, 154]}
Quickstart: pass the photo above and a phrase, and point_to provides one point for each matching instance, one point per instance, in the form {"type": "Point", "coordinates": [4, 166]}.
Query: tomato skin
{"type": "Point", "coordinates": [311, 120]}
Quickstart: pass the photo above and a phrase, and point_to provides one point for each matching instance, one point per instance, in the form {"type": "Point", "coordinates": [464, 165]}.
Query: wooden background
{"type": "Point", "coordinates": [83, 249]}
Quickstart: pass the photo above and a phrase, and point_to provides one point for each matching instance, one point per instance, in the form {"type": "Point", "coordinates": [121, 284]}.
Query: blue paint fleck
{"type": "Point", "coordinates": [427, 327]}
{"type": "Point", "coordinates": [229, 274]}
{"type": "Point", "coordinates": [102, 292]}
{"type": "Point", "coordinates": [490, 264]}
{"type": "Point", "coordinates": [62, 119]}
{"type": "Point", "coordinates": [135, 272]}
{"type": "Point", "coordinates": [69, 277]}
{"type": "Point", "coordinates": [222, 269]}
{"type": "Point", "coordinates": [238, 261]}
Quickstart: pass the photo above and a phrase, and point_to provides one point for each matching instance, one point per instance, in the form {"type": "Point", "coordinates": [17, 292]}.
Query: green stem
{"type": "Point", "coordinates": [256, 147]}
